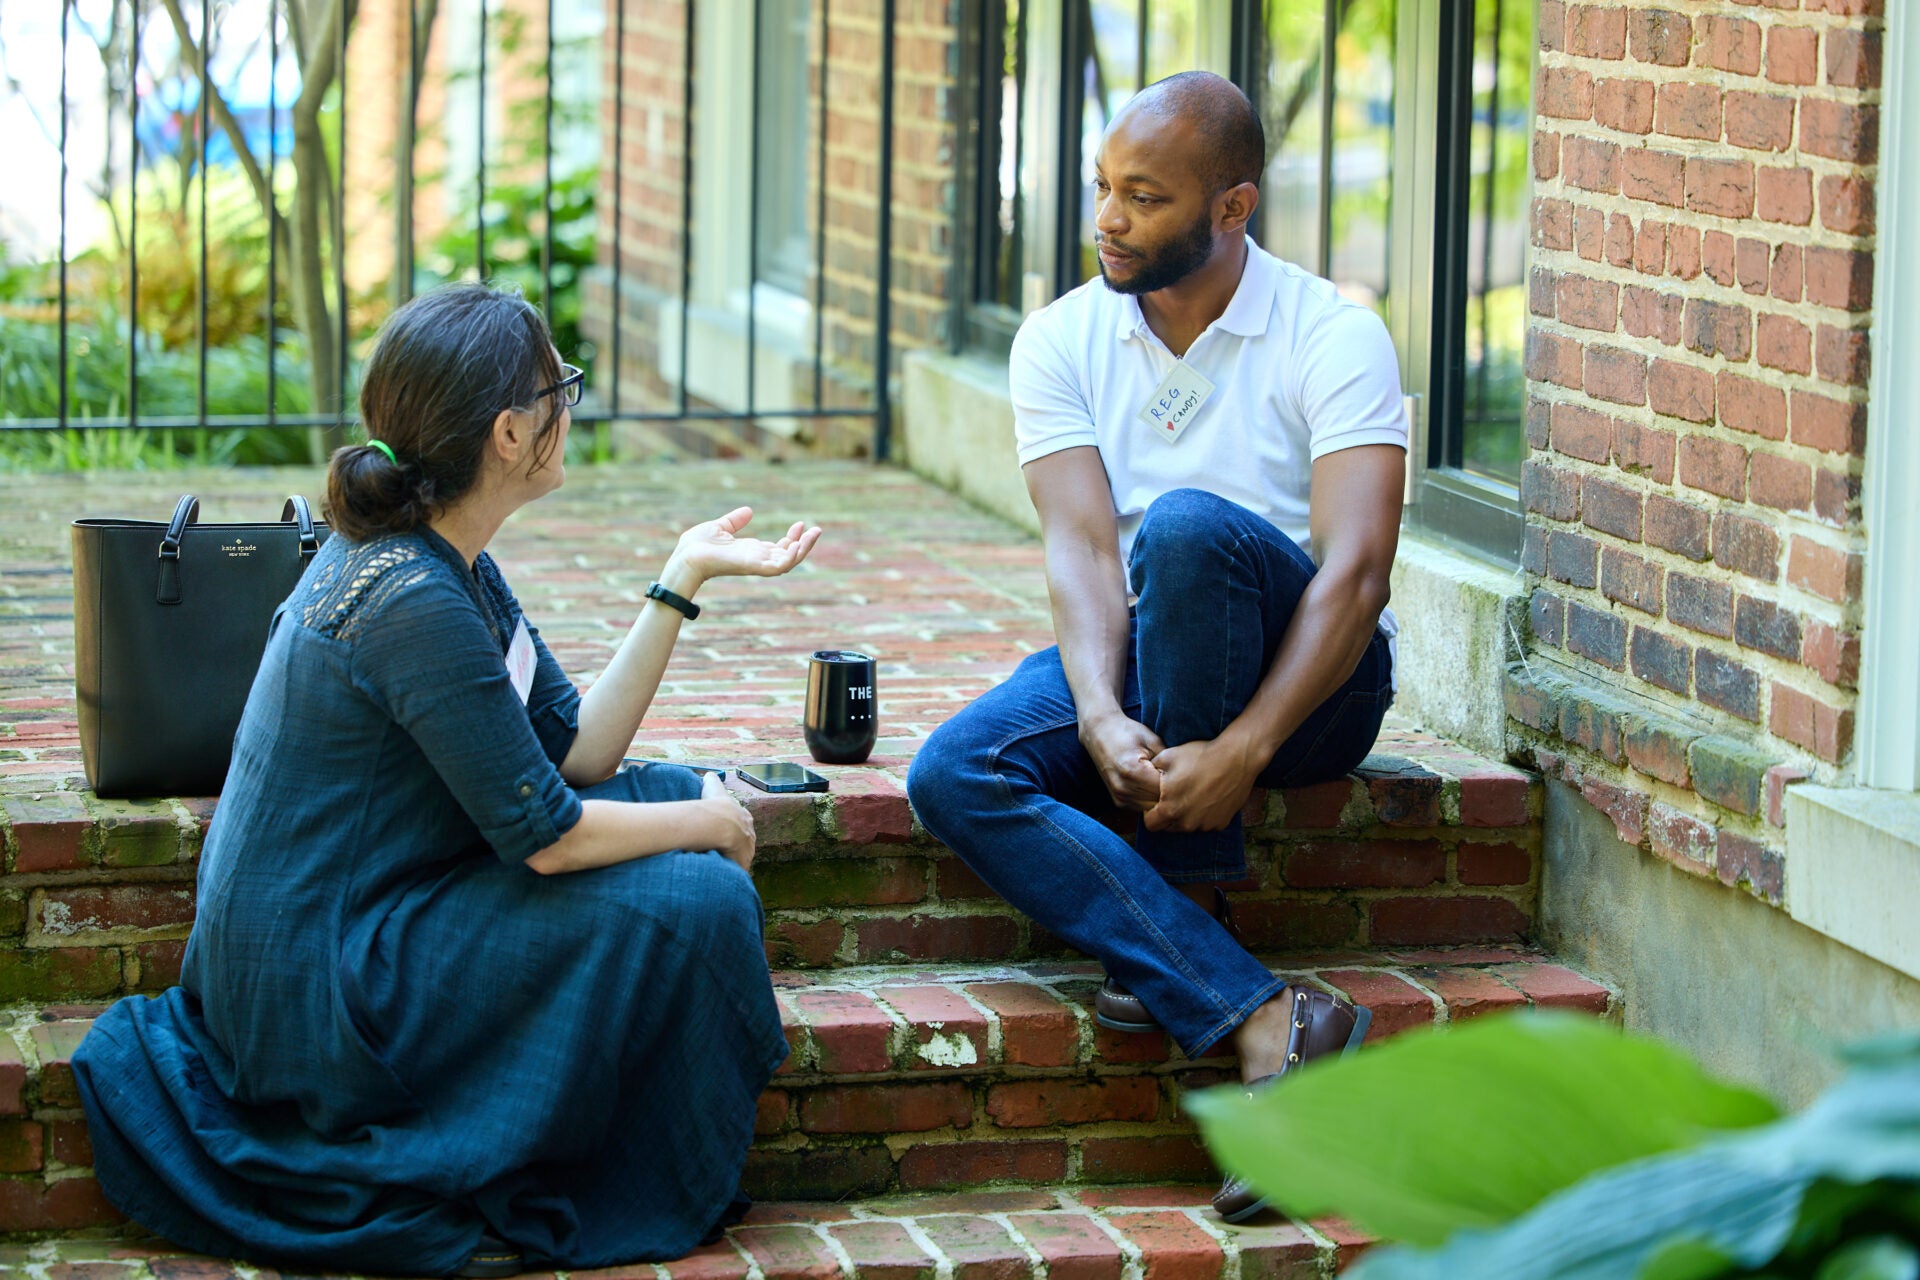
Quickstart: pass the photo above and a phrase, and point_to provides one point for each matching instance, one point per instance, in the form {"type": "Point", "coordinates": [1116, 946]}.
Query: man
{"type": "Point", "coordinates": [1273, 407]}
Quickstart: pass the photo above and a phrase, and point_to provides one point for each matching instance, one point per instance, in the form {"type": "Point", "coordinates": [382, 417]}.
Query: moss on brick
{"type": "Point", "coordinates": [136, 834]}
{"type": "Point", "coordinates": [842, 882]}
{"type": "Point", "coordinates": [69, 973]}
{"type": "Point", "coordinates": [1728, 772]}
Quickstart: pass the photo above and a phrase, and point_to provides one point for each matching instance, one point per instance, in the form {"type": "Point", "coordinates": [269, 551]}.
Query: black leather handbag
{"type": "Point", "coordinates": [169, 622]}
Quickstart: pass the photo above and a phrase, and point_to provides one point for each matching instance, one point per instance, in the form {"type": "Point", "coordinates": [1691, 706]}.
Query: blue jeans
{"type": "Point", "coordinates": [1007, 786]}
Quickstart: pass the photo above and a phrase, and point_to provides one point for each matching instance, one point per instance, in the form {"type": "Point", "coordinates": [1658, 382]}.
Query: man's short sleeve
{"type": "Point", "coordinates": [1350, 383]}
{"type": "Point", "coordinates": [1049, 411]}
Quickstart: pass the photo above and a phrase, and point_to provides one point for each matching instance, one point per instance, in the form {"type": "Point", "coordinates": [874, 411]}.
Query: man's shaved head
{"type": "Point", "coordinates": [1219, 112]}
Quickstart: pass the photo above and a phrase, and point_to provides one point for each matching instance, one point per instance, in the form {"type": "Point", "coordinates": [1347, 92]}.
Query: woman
{"type": "Point", "coordinates": [458, 999]}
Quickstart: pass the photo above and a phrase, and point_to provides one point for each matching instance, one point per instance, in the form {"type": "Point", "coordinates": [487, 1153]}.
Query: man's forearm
{"type": "Point", "coordinates": [1323, 644]}
{"type": "Point", "coordinates": [1088, 592]}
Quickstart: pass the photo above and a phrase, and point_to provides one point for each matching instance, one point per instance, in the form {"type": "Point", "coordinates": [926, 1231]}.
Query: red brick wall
{"type": "Point", "coordinates": [648, 239]}
{"type": "Point", "coordinates": [1703, 231]}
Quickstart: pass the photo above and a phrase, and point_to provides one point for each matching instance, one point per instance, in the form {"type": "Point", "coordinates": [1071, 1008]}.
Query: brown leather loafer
{"type": "Point", "coordinates": [1322, 1025]}
{"type": "Point", "coordinates": [1118, 1009]}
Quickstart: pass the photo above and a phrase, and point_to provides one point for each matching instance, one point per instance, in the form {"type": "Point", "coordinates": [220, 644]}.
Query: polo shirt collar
{"type": "Point", "coordinates": [1247, 311]}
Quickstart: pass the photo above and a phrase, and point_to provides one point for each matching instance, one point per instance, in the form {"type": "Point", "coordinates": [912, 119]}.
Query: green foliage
{"type": "Point", "coordinates": [1507, 1112]}
{"type": "Point", "coordinates": [513, 215]}
{"type": "Point", "coordinates": [516, 210]}
{"type": "Point", "coordinates": [1543, 1184]}
{"type": "Point", "coordinates": [169, 387]}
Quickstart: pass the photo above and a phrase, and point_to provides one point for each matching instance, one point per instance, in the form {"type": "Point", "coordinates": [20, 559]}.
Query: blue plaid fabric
{"type": "Point", "coordinates": [389, 1033]}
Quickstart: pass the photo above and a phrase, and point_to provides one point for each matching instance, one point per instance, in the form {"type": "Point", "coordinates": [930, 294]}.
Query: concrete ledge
{"type": "Point", "coordinates": [1461, 621]}
{"type": "Point", "coordinates": [958, 432]}
{"type": "Point", "coordinates": [1853, 859]}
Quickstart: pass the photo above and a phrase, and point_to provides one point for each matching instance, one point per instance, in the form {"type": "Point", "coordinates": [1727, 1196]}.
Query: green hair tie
{"type": "Point", "coordinates": [385, 448]}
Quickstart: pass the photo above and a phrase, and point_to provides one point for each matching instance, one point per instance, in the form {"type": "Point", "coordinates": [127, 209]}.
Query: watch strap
{"type": "Point", "coordinates": [674, 601]}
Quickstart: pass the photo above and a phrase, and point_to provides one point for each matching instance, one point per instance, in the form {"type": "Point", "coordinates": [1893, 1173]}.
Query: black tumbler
{"type": "Point", "coordinates": [842, 711]}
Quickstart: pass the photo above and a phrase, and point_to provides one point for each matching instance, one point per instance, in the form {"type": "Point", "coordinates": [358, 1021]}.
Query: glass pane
{"type": "Point", "coordinates": [1002, 158]}
{"type": "Point", "coordinates": [1289, 216]}
{"type": "Point", "coordinates": [784, 256]}
{"type": "Point", "coordinates": [1496, 319]}
{"type": "Point", "coordinates": [1172, 43]}
{"type": "Point", "coordinates": [1130, 44]}
{"type": "Point", "coordinates": [1362, 150]}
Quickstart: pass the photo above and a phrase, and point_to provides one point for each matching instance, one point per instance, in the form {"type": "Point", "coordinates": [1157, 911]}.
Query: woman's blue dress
{"type": "Point", "coordinates": [389, 1033]}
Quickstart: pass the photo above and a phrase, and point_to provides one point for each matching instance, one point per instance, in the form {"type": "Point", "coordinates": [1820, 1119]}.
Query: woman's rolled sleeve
{"type": "Point", "coordinates": [431, 660]}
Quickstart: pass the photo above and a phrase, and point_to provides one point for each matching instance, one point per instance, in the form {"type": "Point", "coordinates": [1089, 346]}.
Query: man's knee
{"type": "Point", "coordinates": [1186, 529]}
{"type": "Point", "coordinates": [940, 769]}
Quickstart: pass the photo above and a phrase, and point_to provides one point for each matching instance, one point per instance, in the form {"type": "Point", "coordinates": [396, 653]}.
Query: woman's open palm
{"type": "Point", "coordinates": [715, 549]}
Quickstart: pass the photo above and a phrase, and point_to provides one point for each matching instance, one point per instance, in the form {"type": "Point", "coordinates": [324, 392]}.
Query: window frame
{"type": "Point", "coordinates": [1888, 743]}
{"type": "Point", "coordinates": [1468, 511]}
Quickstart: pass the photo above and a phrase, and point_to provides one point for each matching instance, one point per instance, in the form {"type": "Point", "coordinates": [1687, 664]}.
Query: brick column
{"type": "Point", "coordinates": [1698, 353]}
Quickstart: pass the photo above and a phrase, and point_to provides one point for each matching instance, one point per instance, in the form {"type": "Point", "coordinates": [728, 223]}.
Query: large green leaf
{"type": "Point", "coordinates": [1736, 1202]}
{"type": "Point", "coordinates": [1432, 1132]}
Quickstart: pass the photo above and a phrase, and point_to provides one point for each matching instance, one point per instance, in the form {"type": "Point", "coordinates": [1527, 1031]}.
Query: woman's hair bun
{"type": "Point", "coordinates": [368, 495]}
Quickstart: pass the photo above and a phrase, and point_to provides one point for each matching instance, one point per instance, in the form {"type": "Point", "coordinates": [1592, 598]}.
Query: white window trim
{"type": "Point", "coordinates": [1889, 733]}
{"type": "Point", "coordinates": [720, 299]}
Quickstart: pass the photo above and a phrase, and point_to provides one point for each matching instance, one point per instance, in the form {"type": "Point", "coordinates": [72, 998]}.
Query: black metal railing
{"type": "Point", "coordinates": [309, 318]}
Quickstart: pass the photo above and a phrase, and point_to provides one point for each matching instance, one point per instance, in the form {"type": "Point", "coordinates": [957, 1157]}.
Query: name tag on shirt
{"type": "Point", "coordinates": [1176, 402]}
{"type": "Point", "coordinates": [520, 660]}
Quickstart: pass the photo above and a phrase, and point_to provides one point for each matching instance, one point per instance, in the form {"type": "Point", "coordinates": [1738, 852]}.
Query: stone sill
{"type": "Point", "coordinates": [1709, 803]}
{"type": "Point", "coordinates": [1854, 869]}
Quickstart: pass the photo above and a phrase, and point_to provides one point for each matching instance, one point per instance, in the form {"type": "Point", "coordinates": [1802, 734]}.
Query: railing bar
{"type": "Point", "coordinates": [1483, 373]}
{"type": "Point", "coordinates": [340, 223]}
{"type": "Point", "coordinates": [546, 181]}
{"type": "Point", "coordinates": [619, 301]}
{"type": "Point", "coordinates": [66, 20]}
{"type": "Point", "coordinates": [480, 155]}
{"type": "Point", "coordinates": [133, 215]}
{"type": "Point", "coordinates": [753, 202]}
{"type": "Point", "coordinates": [250, 422]}
{"type": "Point", "coordinates": [686, 196]}
{"type": "Point", "coordinates": [883, 305]}
{"type": "Point", "coordinates": [820, 215]}
{"type": "Point", "coordinates": [403, 200]}
{"type": "Point", "coordinates": [1329, 36]}
{"type": "Point", "coordinates": [206, 139]}
{"type": "Point", "coordinates": [273, 210]}
{"type": "Point", "coordinates": [1140, 20]}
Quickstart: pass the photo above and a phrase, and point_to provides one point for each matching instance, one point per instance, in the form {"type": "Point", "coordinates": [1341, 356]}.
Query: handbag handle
{"type": "Point", "coordinates": [185, 512]}
{"type": "Point", "coordinates": [297, 512]}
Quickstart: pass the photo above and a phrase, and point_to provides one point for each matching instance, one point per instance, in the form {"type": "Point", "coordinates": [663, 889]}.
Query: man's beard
{"type": "Point", "coordinates": [1179, 258]}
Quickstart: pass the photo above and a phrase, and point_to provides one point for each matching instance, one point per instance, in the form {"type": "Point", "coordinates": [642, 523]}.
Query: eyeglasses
{"type": "Point", "coordinates": [572, 382]}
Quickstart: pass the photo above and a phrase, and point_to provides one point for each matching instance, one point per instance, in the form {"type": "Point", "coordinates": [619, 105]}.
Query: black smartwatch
{"type": "Point", "coordinates": [672, 601]}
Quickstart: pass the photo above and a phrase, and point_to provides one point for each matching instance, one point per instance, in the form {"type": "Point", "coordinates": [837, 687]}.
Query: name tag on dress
{"type": "Point", "coordinates": [520, 659]}
{"type": "Point", "coordinates": [1176, 402]}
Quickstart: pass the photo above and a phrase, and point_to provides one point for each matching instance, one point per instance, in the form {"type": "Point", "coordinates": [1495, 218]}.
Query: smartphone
{"type": "Point", "coordinates": [782, 777]}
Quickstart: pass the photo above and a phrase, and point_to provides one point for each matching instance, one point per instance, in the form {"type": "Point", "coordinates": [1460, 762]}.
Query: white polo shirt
{"type": "Point", "coordinates": [1298, 372]}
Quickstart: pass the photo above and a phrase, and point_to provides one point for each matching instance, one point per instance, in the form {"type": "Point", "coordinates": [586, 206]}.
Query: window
{"type": "Point", "coordinates": [782, 250]}
{"type": "Point", "coordinates": [1327, 195]}
{"type": "Point", "coordinates": [1398, 166]}
{"type": "Point", "coordinates": [1045, 82]}
{"type": "Point", "coordinates": [1475, 394]}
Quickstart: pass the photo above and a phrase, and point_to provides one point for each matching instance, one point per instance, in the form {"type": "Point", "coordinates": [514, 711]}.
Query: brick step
{"type": "Point", "coordinates": [1423, 845]}
{"type": "Point", "coordinates": [1041, 1233]}
{"type": "Point", "coordinates": [900, 1080]}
